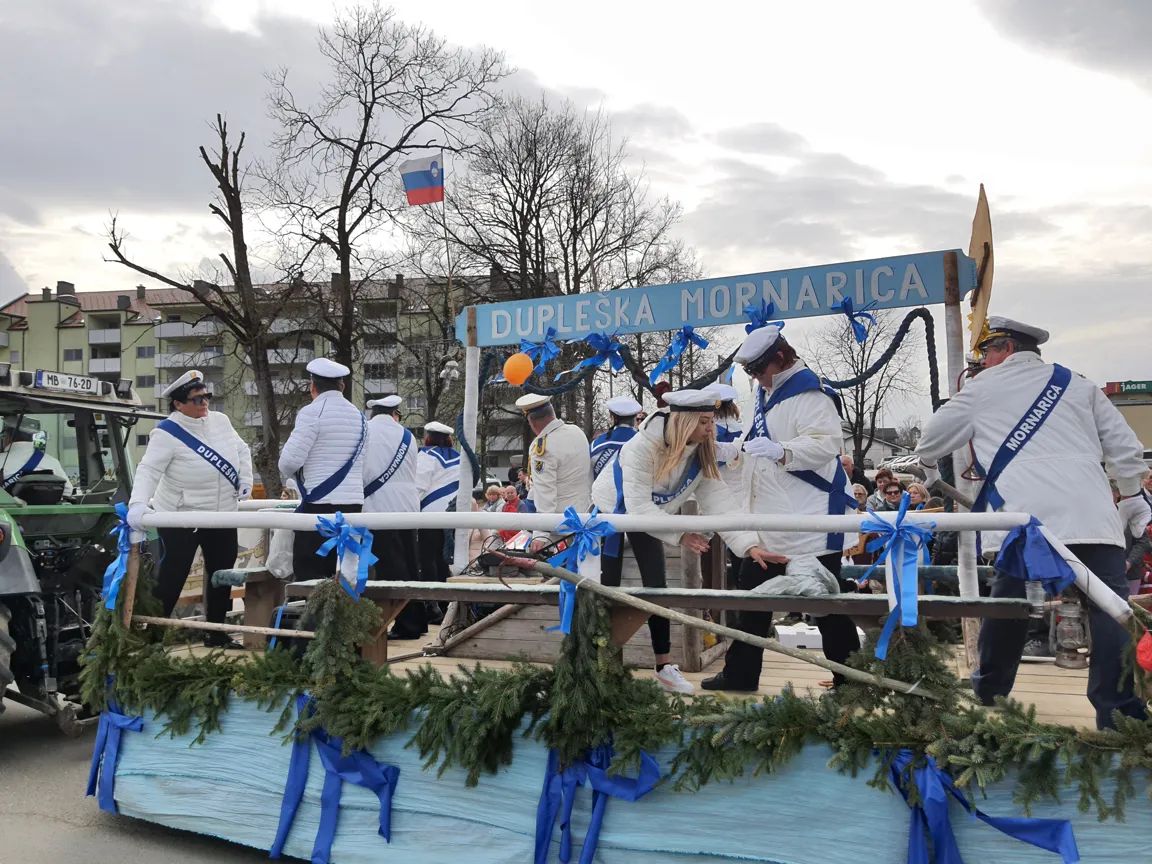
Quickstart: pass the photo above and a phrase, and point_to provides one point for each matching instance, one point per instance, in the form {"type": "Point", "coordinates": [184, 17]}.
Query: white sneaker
{"type": "Point", "coordinates": [673, 681]}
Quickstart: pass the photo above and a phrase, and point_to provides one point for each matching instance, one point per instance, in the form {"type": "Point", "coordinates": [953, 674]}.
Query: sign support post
{"type": "Point", "coordinates": [471, 408]}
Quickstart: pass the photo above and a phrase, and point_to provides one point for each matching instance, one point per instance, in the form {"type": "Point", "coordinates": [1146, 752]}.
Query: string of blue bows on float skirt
{"type": "Point", "coordinates": [345, 539]}
{"type": "Point", "coordinates": [860, 319]}
{"type": "Point", "coordinates": [904, 545]}
{"type": "Point", "coordinates": [684, 337]}
{"type": "Point", "coordinates": [932, 825]}
{"type": "Point", "coordinates": [581, 556]}
{"type": "Point", "coordinates": [114, 573]}
{"type": "Point", "coordinates": [607, 351]}
{"type": "Point", "coordinates": [541, 353]}
{"type": "Point", "coordinates": [761, 316]}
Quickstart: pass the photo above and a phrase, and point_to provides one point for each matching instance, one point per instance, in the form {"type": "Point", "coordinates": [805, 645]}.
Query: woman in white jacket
{"type": "Point", "coordinates": [194, 461]}
{"type": "Point", "coordinates": [670, 461]}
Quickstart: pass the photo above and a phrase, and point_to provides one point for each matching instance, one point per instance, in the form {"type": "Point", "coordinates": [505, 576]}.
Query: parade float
{"type": "Point", "coordinates": [318, 749]}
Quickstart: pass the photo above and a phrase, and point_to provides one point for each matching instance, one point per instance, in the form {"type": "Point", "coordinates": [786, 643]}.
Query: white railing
{"type": "Point", "coordinates": [282, 386]}
{"type": "Point", "coordinates": [190, 359]}
{"type": "Point", "coordinates": [187, 330]}
{"type": "Point", "coordinates": [111, 336]}
{"type": "Point", "coordinates": [104, 365]}
{"type": "Point", "coordinates": [290, 356]}
{"type": "Point", "coordinates": [379, 385]}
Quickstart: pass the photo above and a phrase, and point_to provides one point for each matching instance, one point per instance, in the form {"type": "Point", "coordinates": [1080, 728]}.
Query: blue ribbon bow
{"type": "Point", "coordinates": [607, 350]}
{"type": "Point", "coordinates": [931, 822]}
{"type": "Point", "coordinates": [542, 353]}
{"type": "Point", "coordinates": [1027, 554]}
{"type": "Point", "coordinates": [909, 545]}
{"type": "Point", "coordinates": [857, 319]}
{"type": "Point", "coordinates": [106, 753]}
{"type": "Point", "coordinates": [559, 794]}
{"type": "Point", "coordinates": [358, 768]}
{"type": "Point", "coordinates": [585, 538]}
{"type": "Point", "coordinates": [761, 316]}
{"type": "Point", "coordinates": [684, 337]}
{"type": "Point", "coordinates": [114, 574]}
{"type": "Point", "coordinates": [345, 538]}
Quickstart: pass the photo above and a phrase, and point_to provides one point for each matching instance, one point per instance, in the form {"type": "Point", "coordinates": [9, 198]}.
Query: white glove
{"type": "Point", "coordinates": [764, 448]}
{"type": "Point", "coordinates": [244, 493]}
{"type": "Point", "coordinates": [136, 516]}
{"type": "Point", "coordinates": [931, 474]}
{"type": "Point", "coordinates": [1136, 514]}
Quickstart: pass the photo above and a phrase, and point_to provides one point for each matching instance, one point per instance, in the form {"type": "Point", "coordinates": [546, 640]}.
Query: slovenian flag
{"type": "Point", "coordinates": [423, 180]}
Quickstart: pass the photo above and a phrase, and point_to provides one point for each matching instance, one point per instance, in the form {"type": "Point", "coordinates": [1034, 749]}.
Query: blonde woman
{"type": "Point", "coordinates": [671, 460]}
{"type": "Point", "coordinates": [917, 496]}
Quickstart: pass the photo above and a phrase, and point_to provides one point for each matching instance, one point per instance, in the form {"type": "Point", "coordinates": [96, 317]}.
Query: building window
{"type": "Point", "coordinates": [142, 440]}
{"type": "Point", "coordinates": [143, 352]}
{"type": "Point", "coordinates": [416, 403]}
{"type": "Point", "coordinates": [73, 355]}
{"type": "Point", "coordinates": [172, 318]}
{"type": "Point", "coordinates": [145, 380]}
{"type": "Point", "coordinates": [14, 358]}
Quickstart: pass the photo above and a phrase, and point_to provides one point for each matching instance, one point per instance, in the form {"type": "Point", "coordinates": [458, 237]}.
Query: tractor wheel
{"type": "Point", "coordinates": [7, 646]}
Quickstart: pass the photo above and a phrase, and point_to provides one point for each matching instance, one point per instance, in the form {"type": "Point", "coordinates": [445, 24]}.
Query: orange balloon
{"type": "Point", "coordinates": [517, 368]}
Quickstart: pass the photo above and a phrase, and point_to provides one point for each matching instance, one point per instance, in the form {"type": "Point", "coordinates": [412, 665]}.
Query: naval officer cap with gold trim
{"type": "Point", "coordinates": [322, 367]}
{"type": "Point", "coordinates": [533, 403]}
{"type": "Point", "coordinates": [387, 404]}
{"type": "Point", "coordinates": [1000, 327]}
{"type": "Point", "coordinates": [722, 392]}
{"type": "Point", "coordinates": [179, 389]}
{"type": "Point", "coordinates": [690, 400]}
{"type": "Point", "coordinates": [624, 406]}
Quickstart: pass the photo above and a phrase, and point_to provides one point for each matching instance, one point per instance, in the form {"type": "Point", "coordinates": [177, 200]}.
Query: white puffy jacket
{"type": "Point", "coordinates": [399, 493]}
{"type": "Point", "coordinates": [808, 427]}
{"type": "Point", "coordinates": [328, 431]}
{"type": "Point", "coordinates": [1056, 476]}
{"type": "Point", "coordinates": [638, 460]}
{"type": "Point", "coordinates": [171, 476]}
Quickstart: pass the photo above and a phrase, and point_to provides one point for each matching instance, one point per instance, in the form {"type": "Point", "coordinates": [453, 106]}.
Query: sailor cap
{"type": "Point", "coordinates": [531, 401]}
{"type": "Point", "coordinates": [758, 345]}
{"type": "Point", "coordinates": [624, 406]}
{"type": "Point", "coordinates": [192, 376]}
{"type": "Point", "coordinates": [1000, 327]}
{"type": "Point", "coordinates": [322, 367]}
{"type": "Point", "coordinates": [723, 392]}
{"type": "Point", "coordinates": [690, 400]}
{"type": "Point", "coordinates": [435, 426]}
{"type": "Point", "coordinates": [392, 401]}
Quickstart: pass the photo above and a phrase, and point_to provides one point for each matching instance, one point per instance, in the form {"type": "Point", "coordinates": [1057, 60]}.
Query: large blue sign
{"type": "Point", "coordinates": [882, 283]}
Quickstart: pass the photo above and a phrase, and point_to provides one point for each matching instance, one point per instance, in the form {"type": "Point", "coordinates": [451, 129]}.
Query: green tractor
{"type": "Point", "coordinates": [63, 467]}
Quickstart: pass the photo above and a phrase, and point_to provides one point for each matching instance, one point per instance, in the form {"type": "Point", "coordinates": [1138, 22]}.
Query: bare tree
{"type": "Point", "coordinates": [908, 432]}
{"type": "Point", "coordinates": [242, 307]}
{"type": "Point", "coordinates": [834, 353]}
{"type": "Point", "coordinates": [396, 90]}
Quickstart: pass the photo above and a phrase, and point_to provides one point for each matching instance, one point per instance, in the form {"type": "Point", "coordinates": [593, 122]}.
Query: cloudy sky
{"type": "Point", "coordinates": [792, 133]}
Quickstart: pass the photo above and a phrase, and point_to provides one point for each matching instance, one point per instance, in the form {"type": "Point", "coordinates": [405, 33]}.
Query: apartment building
{"type": "Point", "coordinates": [152, 335]}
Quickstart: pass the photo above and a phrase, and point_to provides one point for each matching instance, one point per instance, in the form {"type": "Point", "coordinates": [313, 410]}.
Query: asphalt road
{"type": "Point", "coordinates": [45, 818]}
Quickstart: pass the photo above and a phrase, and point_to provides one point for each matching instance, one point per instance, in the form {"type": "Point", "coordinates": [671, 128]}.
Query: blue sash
{"type": "Point", "coordinates": [448, 458]}
{"type": "Point", "coordinates": [612, 545]}
{"type": "Point", "coordinates": [311, 496]}
{"type": "Point", "coordinates": [30, 465]}
{"type": "Point", "coordinates": [202, 450]}
{"type": "Point", "coordinates": [838, 500]}
{"type": "Point", "coordinates": [606, 446]}
{"type": "Point", "coordinates": [393, 466]}
{"type": "Point", "coordinates": [725, 435]}
{"type": "Point", "coordinates": [1039, 411]}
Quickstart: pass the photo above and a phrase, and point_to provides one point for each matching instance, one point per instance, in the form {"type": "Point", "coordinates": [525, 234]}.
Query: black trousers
{"type": "Point", "coordinates": [433, 567]}
{"type": "Point", "coordinates": [219, 548]}
{"type": "Point", "coordinates": [306, 564]}
{"type": "Point", "coordinates": [838, 634]}
{"type": "Point", "coordinates": [396, 561]}
{"type": "Point", "coordinates": [1002, 642]}
{"type": "Point", "coordinates": [649, 554]}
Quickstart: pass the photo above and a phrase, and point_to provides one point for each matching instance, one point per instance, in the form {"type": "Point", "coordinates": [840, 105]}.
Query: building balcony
{"type": "Point", "coordinates": [281, 386]}
{"type": "Point", "coordinates": [104, 366]}
{"type": "Point", "coordinates": [379, 385]}
{"type": "Point", "coordinates": [290, 356]}
{"type": "Point", "coordinates": [387, 354]}
{"type": "Point", "coordinates": [187, 330]}
{"type": "Point", "coordinates": [287, 325]}
{"type": "Point", "coordinates": [110, 336]}
{"type": "Point", "coordinates": [190, 360]}
{"type": "Point", "coordinates": [253, 418]}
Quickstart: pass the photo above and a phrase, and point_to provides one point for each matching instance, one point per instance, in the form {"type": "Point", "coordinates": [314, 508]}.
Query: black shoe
{"type": "Point", "coordinates": [403, 635]}
{"type": "Point", "coordinates": [433, 614]}
{"type": "Point", "coordinates": [222, 640]}
{"type": "Point", "coordinates": [723, 682]}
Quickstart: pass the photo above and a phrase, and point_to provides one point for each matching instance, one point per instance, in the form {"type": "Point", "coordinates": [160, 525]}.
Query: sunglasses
{"type": "Point", "coordinates": [893, 491]}
{"type": "Point", "coordinates": [202, 399]}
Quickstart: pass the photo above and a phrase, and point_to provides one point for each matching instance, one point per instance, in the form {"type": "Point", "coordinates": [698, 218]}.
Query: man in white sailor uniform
{"type": "Point", "coordinates": [558, 462]}
{"type": "Point", "coordinates": [1039, 430]}
{"type": "Point", "coordinates": [437, 479]}
{"type": "Point", "coordinates": [390, 458]}
{"type": "Point", "coordinates": [324, 455]}
{"type": "Point", "coordinates": [25, 452]}
{"type": "Point", "coordinates": [622, 411]}
{"type": "Point", "coordinates": [794, 444]}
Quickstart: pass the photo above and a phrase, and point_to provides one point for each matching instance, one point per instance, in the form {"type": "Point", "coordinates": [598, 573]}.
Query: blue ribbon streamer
{"type": "Point", "coordinates": [684, 337]}
{"type": "Point", "coordinates": [857, 318]}
{"type": "Point", "coordinates": [345, 538]}
{"type": "Point", "coordinates": [358, 768]}
{"type": "Point", "coordinates": [931, 822]}
{"type": "Point", "coordinates": [1027, 555]}
{"type": "Point", "coordinates": [114, 574]}
{"type": "Point", "coordinates": [909, 544]}
{"type": "Point", "coordinates": [585, 538]}
{"type": "Point", "coordinates": [761, 316]}
{"type": "Point", "coordinates": [106, 753]}
{"type": "Point", "coordinates": [542, 353]}
{"type": "Point", "coordinates": [559, 794]}
{"type": "Point", "coordinates": [607, 350]}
